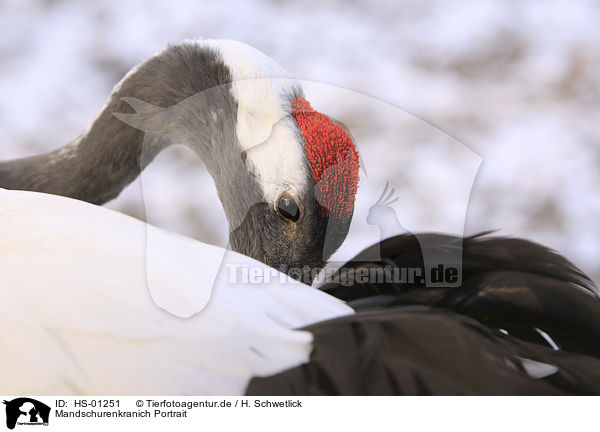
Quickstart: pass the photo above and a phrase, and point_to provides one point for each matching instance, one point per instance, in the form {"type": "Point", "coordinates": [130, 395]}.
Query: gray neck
{"type": "Point", "coordinates": [98, 165]}
{"type": "Point", "coordinates": [94, 168]}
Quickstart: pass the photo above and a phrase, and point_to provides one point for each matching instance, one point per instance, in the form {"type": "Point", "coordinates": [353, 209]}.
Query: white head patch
{"type": "Point", "coordinates": [265, 128]}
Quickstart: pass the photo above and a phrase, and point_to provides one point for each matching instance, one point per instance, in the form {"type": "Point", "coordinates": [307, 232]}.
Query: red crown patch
{"type": "Point", "coordinates": [332, 156]}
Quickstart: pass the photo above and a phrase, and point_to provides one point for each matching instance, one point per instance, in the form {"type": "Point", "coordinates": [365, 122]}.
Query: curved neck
{"type": "Point", "coordinates": [98, 165]}
{"type": "Point", "coordinates": [94, 168]}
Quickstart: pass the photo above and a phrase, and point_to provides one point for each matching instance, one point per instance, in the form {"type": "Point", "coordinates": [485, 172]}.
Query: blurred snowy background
{"type": "Point", "coordinates": [517, 82]}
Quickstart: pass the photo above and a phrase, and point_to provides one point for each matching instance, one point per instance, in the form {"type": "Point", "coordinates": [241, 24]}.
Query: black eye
{"type": "Point", "coordinates": [288, 208]}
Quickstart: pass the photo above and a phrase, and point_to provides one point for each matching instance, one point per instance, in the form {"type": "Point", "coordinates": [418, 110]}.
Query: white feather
{"type": "Point", "coordinates": [77, 316]}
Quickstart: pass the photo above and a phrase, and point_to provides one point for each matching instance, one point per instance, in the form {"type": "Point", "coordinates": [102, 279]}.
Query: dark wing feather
{"type": "Point", "coordinates": [518, 301]}
{"type": "Point", "coordinates": [507, 283]}
{"type": "Point", "coordinates": [422, 351]}
{"type": "Point", "coordinates": [407, 338]}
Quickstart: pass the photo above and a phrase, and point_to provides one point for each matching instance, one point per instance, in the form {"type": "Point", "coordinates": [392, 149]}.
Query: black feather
{"type": "Point", "coordinates": [423, 351]}
{"type": "Point", "coordinates": [414, 339]}
{"type": "Point", "coordinates": [506, 283]}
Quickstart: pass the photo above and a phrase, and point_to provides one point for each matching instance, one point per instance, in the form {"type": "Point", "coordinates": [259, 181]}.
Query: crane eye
{"type": "Point", "coordinates": [288, 208]}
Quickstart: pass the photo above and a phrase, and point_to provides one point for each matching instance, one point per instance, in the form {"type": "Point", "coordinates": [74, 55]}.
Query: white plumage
{"type": "Point", "coordinates": [79, 310]}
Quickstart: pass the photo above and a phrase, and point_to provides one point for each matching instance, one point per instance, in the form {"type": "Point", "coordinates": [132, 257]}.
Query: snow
{"type": "Point", "coordinates": [428, 88]}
